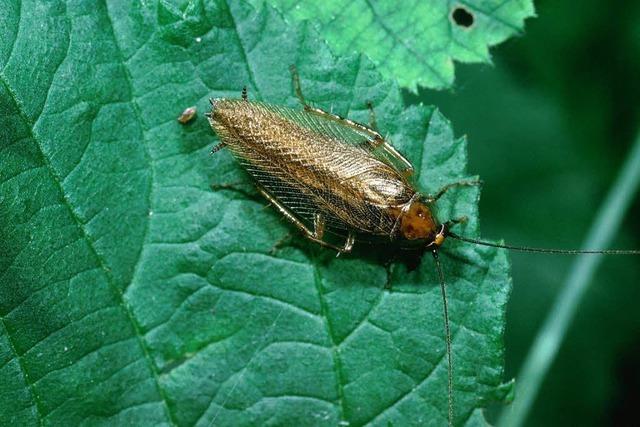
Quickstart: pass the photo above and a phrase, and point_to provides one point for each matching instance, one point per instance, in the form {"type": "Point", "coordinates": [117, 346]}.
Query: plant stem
{"type": "Point", "coordinates": [545, 347]}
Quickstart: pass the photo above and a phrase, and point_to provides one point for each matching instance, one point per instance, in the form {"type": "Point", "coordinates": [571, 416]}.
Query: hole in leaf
{"type": "Point", "coordinates": [462, 17]}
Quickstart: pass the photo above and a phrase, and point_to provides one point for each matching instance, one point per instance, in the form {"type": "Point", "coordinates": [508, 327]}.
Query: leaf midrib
{"type": "Point", "coordinates": [85, 233]}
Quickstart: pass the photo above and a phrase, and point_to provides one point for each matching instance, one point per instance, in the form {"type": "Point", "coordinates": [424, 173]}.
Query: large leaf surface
{"type": "Point", "coordinates": [130, 292]}
{"type": "Point", "coordinates": [414, 41]}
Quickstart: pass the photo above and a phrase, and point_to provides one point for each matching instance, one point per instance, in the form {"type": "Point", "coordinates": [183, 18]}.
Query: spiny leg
{"type": "Point", "coordinates": [218, 147]}
{"type": "Point", "coordinates": [454, 221]}
{"type": "Point", "coordinates": [348, 244]}
{"type": "Point", "coordinates": [244, 93]}
{"type": "Point", "coordinates": [373, 123]}
{"type": "Point", "coordinates": [315, 235]}
{"type": "Point", "coordinates": [244, 188]}
{"type": "Point", "coordinates": [295, 78]}
{"type": "Point", "coordinates": [235, 186]}
{"type": "Point", "coordinates": [407, 166]}
{"type": "Point", "coordinates": [284, 241]}
{"type": "Point", "coordinates": [318, 226]}
{"type": "Point", "coordinates": [318, 233]}
{"type": "Point", "coordinates": [228, 185]}
{"type": "Point", "coordinates": [376, 139]}
{"type": "Point", "coordinates": [298, 91]}
{"type": "Point", "coordinates": [463, 183]}
{"type": "Point", "coordinates": [388, 148]}
{"type": "Point", "coordinates": [388, 266]}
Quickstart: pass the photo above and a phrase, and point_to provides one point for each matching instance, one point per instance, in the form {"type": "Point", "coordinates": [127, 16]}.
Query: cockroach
{"type": "Point", "coordinates": [325, 173]}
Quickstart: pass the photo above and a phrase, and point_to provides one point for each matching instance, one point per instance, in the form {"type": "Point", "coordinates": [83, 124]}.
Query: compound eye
{"type": "Point", "coordinates": [421, 212]}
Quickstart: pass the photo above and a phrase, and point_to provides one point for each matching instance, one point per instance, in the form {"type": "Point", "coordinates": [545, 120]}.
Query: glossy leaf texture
{"type": "Point", "coordinates": [414, 41]}
{"type": "Point", "coordinates": [131, 292]}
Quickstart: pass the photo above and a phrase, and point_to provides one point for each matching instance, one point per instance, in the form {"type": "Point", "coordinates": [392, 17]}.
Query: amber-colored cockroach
{"type": "Point", "coordinates": [324, 172]}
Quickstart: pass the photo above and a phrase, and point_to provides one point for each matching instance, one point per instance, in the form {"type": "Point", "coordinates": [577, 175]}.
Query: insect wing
{"type": "Point", "coordinates": [340, 211]}
{"type": "Point", "coordinates": [343, 131]}
{"type": "Point", "coordinates": [313, 163]}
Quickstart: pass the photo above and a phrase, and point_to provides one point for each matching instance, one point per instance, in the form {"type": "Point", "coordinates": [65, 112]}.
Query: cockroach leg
{"type": "Point", "coordinates": [388, 268]}
{"type": "Point", "coordinates": [284, 241]}
{"type": "Point", "coordinates": [373, 123]}
{"type": "Point", "coordinates": [218, 147]}
{"type": "Point", "coordinates": [244, 93]}
{"type": "Point", "coordinates": [407, 166]}
{"type": "Point", "coordinates": [348, 244]}
{"type": "Point", "coordinates": [237, 187]}
{"type": "Point", "coordinates": [375, 139]}
{"type": "Point", "coordinates": [229, 186]}
{"type": "Point", "coordinates": [454, 221]}
{"type": "Point", "coordinates": [388, 148]}
{"type": "Point", "coordinates": [318, 226]}
{"type": "Point", "coordinates": [464, 183]}
{"type": "Point", "coordinates": [311, 235]}
{"type": "Point", "coordinates": [297, 88]}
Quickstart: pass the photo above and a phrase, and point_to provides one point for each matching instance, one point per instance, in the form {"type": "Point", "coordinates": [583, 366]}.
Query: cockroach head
{"type": "Point", "coordinates": [419, 223]}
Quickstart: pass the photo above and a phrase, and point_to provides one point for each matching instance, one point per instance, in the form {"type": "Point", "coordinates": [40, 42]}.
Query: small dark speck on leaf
{"type": "Point", "coordinates": [462, 17]}
{"type": "Point", "coordinates": [187, 115]}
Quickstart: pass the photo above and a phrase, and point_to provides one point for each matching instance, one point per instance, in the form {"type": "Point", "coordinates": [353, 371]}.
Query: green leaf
{"type": "Point", "coordinates": [131, 293]}
{"type": "Point", "coordinates": [414, 42]}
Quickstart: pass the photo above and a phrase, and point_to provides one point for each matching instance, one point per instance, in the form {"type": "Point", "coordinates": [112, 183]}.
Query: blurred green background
{"type": "Point", "coordinates": [549, 126]}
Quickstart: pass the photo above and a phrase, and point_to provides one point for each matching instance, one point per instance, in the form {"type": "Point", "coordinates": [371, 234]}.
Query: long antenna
{"type": "Point", "coordinates": [447, 335]}
{"type": "Point", "coordinates": [547, 250]}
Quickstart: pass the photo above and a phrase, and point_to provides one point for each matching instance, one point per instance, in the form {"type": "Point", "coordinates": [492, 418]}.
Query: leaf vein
{"type": "Point", "coordinates": [335, 350]}
{"type": "Point", "coordinates": [401, 42]}
{"type": "Point", "coordinates": [23, 369]}
{"type": "Point", "coordinates": [441, 358]}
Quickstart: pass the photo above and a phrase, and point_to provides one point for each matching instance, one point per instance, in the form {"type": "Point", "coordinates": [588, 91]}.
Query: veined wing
{"type": "Point", "coordinates": [343, 130]}
{"type": "Point", "coordinates": [340, 212]}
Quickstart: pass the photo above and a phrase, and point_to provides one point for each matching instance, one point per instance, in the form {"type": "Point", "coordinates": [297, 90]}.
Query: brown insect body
{"type": "Point", "coordinates": [325, 170]}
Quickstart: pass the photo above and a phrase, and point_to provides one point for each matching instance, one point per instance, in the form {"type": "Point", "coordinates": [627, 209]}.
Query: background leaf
{"type": "Point", "coordinates": [551, 123]}
{"type": "Point", "coordinates": [130, 292]}
{"type": "Point", "coordinates": [417, 42]}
